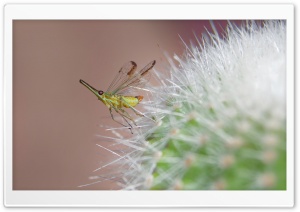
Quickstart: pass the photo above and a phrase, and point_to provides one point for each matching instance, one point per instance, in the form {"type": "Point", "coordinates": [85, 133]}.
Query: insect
{"type": "Point", "coordinates": [117, 97]}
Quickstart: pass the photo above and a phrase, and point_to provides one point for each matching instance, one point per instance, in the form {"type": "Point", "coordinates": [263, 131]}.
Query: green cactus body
{"type": "Point", "coordinates": [218, 129]}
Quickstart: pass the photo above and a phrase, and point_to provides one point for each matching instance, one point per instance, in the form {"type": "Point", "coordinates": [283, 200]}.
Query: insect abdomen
{"type": "Point", "coordinates": [130, 101]}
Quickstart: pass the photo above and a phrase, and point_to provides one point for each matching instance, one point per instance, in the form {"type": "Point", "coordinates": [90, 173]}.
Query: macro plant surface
{"type": "Point", "coordinates": [220, 118]}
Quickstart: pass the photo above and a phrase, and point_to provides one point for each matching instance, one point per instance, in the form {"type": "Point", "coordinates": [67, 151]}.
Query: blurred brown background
{"type": "Point", "coordinates": [55, 118]}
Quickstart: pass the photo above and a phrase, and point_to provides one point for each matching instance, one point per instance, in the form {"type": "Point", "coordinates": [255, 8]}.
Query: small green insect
{"type": "Point", "coordinates": [117, 97]}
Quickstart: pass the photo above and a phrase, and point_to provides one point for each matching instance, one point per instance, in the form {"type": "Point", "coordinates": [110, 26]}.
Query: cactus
{"type": "Point", "coordinates": [220, 117]}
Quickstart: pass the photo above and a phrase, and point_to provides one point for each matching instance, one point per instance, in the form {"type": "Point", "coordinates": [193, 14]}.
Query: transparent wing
{"type": "Point", "coordinates": [122, 76]}
{"type": "Point", "coordinates": [138, 79]}
{"type": "Point", "coordinates": [129, 78]}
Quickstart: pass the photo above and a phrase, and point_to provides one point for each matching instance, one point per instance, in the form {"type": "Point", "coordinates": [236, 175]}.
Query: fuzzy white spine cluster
{"type": "Point", "coordinates": [220, 117]}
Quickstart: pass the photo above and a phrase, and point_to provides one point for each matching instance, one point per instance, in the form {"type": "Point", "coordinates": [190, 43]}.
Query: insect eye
{"type": "Point", "coordinates": [100, 92]}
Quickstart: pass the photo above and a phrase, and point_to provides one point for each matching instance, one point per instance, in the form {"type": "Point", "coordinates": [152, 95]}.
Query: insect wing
{"type": "Point", "coordinates": [122, 76]}
{"type": "Point", "coordinates": [134, 79]}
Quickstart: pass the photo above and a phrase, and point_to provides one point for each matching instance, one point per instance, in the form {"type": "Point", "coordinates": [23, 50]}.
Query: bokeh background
{"type": "Point", "coordinates": [55, 119]}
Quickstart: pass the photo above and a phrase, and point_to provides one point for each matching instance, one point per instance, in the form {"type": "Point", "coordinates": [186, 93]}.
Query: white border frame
{"type": "Point", "coordinates": [13, 198]}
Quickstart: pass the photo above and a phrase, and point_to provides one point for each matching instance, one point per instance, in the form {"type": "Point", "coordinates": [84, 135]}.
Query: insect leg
{"type": "Point", "coordinates": [124, 117]}
{"type": "Point", "coordinates": [140, 114]}
{"type": "Point", "coordinates": [137, 113]}
{"type": "Point", "coordinates": [118, 121]}
{"type": "Point", "coordinates": [126, 114]}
